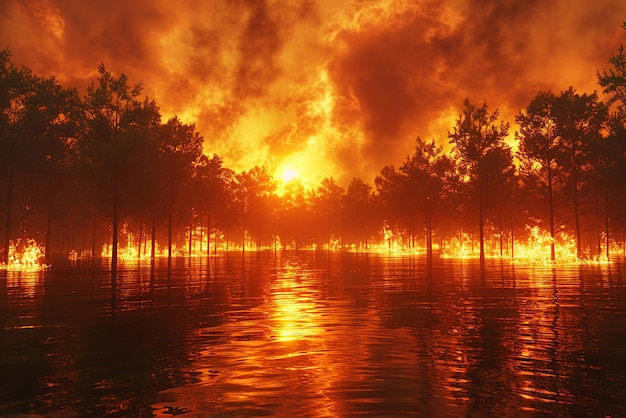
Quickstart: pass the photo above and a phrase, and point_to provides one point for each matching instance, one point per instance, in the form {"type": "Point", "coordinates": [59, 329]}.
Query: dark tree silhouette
{"type": "Point", "coordinates": [117, 125]}
{"type": "Point", "coordinates": [210, 188]}
{"type": "Point", "coordinates": [579, 124]}
{"type": "Point", "coordinates": [613, 80]}
{"type": "Point", "coordinates": [179, 149]}
{"type": "Point", "coordinates": [478, 145]}
{"type": "Point", "coordinates": [537, 152]}
{"type": "Point", "coordinates": [358, 207]}
{"type": "Point", "coordinates": [327, 209]}
{"type": "Point", "coordinates": [396, 209]}
{"type": "Point", "coordinates": [52, 121]}
{"type": "Point", "coordinates": [427, 173]}
{"type": "Point", "coordinates": [16, 89]}
{"type": "Point", "coordinates": [253, 193]}
{"type": "Point", "coordinates": [294, 217]}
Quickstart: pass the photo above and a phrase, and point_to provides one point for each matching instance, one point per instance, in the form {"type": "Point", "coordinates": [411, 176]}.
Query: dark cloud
{"type": "Point", "coordinates": [354, 83]}
{"type": "Point", "coordinates": [411, 66]}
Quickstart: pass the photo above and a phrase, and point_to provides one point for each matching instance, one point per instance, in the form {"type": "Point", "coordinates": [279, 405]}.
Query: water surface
{"type": "Point", "coordinates": [314, 334]}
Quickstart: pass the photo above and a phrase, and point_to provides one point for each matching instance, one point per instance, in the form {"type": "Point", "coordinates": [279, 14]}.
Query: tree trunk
{"type": "Point", "coordinates": [606, 224]}
{"type": "Point", "coordinates": [48, 228]}
{"type": "Point", "coordinates": [577, 221]}
{"type": "Point", "coordinates": [169, 238]}
{"type": "Point", "coordinates": [551, 206]}
{"type": "Point", "coordinates": [501, 235]}
{"type": "Point", "coordinates": [7, 223]}
{"type": "Point", "coordinates": [115, 227]}
{"type": "Point", "coordinates": [208, 232]}
{"type": "Point", "coordinates": [481, 224]}
{"type": "Point", "coordinates": [139, 240]}
{"type": "Point", "coordinates": [190, 233]}
{"type": "Point", "coordinates": [114, 236]}
{"type": "Point", "coordinates": [93, 243]}
{"type": "Point", "coordinates": [153, 240]}
{"type": "Point", "coordinates": [512, 239]}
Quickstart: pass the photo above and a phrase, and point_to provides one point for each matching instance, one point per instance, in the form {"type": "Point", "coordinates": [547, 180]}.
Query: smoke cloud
{"type": "Point", "coordinates": [336, 89]}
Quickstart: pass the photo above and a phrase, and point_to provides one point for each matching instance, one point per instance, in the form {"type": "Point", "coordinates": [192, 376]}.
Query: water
{"type": "Point", "coordinates": [312, 334]}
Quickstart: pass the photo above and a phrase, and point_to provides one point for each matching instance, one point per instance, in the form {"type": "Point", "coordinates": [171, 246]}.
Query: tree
{"type": "Point", "coordinates": [613, 81]}
{"type": "Point", "coordinates": [294, 217]}
{"type": "Point", "coordinates": [538, 150]}
{"type": "Point", "coordinates": [358, 207]}
{"type": "Point", "coordinates": [478, 145]}
{"type": "Point", "coordinates": [179, 149]}
{"type": "Point", "coordinates": [579, 123]}
{"type": "Point", "coordinates": [612, 157]}
{"type": "Point", "coordinates": [327, 208]}
{"type": "Point", "coordinates": [16, 88]}
{"type": "Point", "coordinates": [211, 190]}
{"type": "Point", "coordinates": [392, 197]}
{"type": "Point", "coordinates": [52, 119]}
{"type": "Point", "coordinates": [117, 127]}
{"type": "Point", "coordinates": [427, 173]}
{"type": "Point", "coordinates": [254, 191]}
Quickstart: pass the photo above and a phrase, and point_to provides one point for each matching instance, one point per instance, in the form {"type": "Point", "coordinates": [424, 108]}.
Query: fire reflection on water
{"type": "Point", "coordinates": [316, 334]}
{"type": "Point", "coordinates": [278, 346]}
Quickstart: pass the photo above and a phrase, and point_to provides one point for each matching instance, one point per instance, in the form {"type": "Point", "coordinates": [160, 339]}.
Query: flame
{"type": "Point", "coordinates": [132, 250]}
{"type": "Point", "coordinates": [25, 255]}
{"type": "Point", "coordinates": [533, 249]}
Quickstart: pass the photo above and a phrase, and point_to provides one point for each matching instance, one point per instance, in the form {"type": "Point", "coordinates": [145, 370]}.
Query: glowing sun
{"type": "Point", "coordinates": [288, 174]}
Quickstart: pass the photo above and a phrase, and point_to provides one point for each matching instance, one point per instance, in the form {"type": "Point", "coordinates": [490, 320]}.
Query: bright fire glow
{"type": "Point", "coordinates": [533, 247]}
{"type": "Point", "coordinates": [289, 174]}
{"type": "Point", "coordinates": [25, 255]}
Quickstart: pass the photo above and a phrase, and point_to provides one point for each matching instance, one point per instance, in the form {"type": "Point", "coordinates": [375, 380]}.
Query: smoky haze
{"type": "Point", "coordinates": [350, 85]}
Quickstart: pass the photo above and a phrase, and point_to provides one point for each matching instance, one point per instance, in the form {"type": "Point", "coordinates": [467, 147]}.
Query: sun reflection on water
{"type": "Point", "coordinates": [293, 312]}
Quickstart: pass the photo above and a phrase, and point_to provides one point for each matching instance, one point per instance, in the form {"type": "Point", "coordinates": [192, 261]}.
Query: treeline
{"type": "Point", "coordinates": [75, 170]}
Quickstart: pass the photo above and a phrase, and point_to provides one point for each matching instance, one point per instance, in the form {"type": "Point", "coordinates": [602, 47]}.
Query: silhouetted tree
{"type": "Point", "coordinates": [478, 145]}
{"type": "Point", "coordinates": [358, 207]}
{"type": "Point", "coordinates": [117, 125]}
{"type": "Point", "coordinates": [211, 191]}
{"type": "Point", "coordinates": [613, 80]}
{"type": "Point", "coordinates": [51, 122]}
{"type": "Point", "coordinates": [294, 218]}
{"type": "Point", "coordinates": [427, 173]}
{"type": "Point", "coordinates": [613, 154]}
{"type": "Point", "coordinates": [537, 152]}
{"type": "Point", "coordinates": [326, 206]}
{"type": "Point", "coordinates": [396, 202]}
{"type": "Point", "coordinates": [179, 149]}
{"type": "Point", "coordinates": [16, 87]}
{"type": "Point", "coordinates": [579, 123]}
{"type": "Point", "coordinates": [254, 192]}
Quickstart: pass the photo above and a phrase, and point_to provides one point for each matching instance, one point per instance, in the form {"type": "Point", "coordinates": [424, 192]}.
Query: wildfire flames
{"type": "Point", "coordinates": [28, 255]}
{"type": "Point", "coordinates": [296, 100]}
{"type": "Point", "coordinates": [533, 249]}
{"type": "Point", "coordinates": [25, 255]}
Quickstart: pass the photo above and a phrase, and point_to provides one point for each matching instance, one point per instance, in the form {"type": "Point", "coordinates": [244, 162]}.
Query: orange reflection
{"type": "Point", "coordinates": [294, 315]}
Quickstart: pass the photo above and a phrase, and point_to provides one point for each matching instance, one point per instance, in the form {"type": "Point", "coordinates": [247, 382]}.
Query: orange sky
{"type": "Point", "coordinates": [320, 88]}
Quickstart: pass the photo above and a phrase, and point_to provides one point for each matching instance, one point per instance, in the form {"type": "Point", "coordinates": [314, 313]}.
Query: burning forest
{"type": "Point", "coordinates": [104, 174]}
